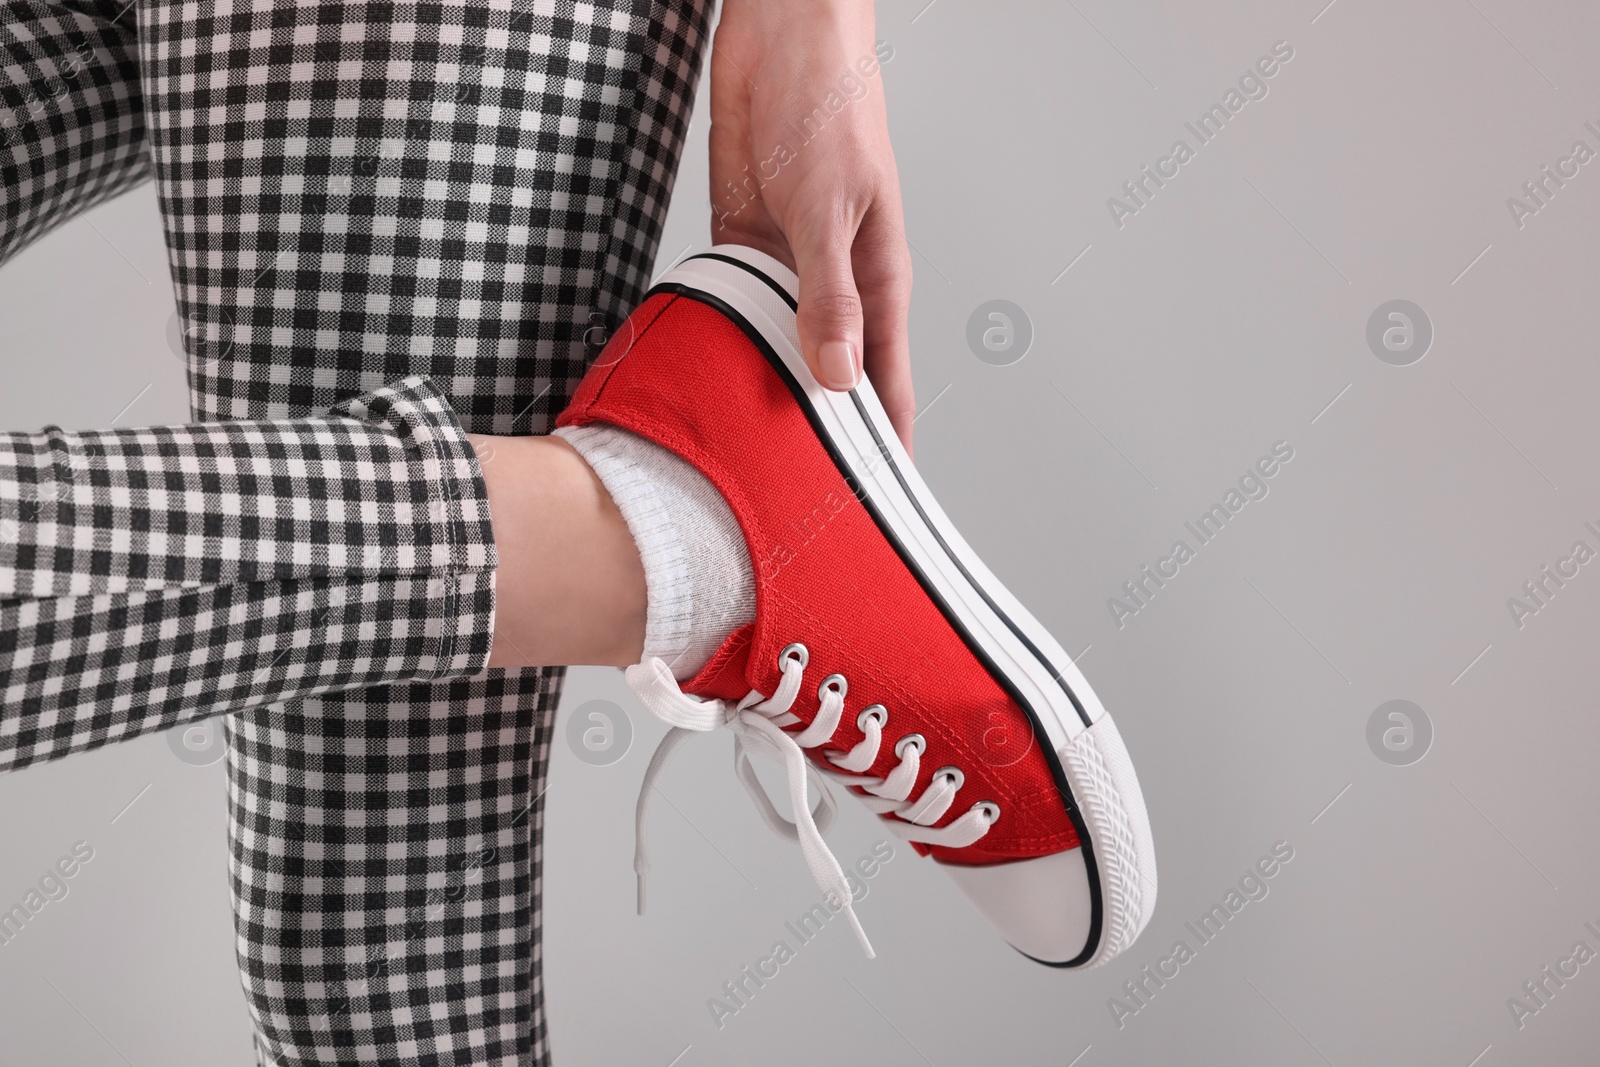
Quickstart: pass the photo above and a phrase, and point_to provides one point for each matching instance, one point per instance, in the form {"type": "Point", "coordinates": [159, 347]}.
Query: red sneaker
{"type": "Point", "coordinates": [882, 647]}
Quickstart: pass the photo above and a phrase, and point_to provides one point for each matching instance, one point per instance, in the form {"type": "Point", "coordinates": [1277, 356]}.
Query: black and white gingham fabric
{"type": "Point", "coordinates": [463, 189]}
{"type": "Point", "coordinates": [71, 120]}
{"type": "Point", "coordinates": [149, 577]}
{"type": "Point", "coordinates": [471, 192]}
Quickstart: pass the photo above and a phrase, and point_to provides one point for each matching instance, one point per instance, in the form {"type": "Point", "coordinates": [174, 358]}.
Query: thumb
{"type": "Point", "coordinates": [830, 308]}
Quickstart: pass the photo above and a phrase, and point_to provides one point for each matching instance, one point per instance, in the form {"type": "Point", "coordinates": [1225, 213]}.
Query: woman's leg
{"type": "Point", "coordinates": [467, 190]}
{"type": "Point", "coordinates": [154, 576]}
{"type": "Point", "coordinates": [71, 121]}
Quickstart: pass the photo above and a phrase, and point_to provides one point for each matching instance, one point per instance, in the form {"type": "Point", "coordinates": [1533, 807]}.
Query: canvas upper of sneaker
{"type": "Point", "coordinates": [686, 377]}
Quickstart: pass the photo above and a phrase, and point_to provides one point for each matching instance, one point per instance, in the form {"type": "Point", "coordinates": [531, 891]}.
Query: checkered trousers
{"type": "Point", "coordinates": [149, 577]}
{"type": "Point", "coordinates": [470, 191]}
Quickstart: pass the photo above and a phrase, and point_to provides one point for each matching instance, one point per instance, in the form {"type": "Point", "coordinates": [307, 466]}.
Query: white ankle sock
{"type": "Point", "coordinates": [699, 583]}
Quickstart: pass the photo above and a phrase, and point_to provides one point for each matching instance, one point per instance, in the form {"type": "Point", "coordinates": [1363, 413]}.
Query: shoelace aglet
{"type": "Point", "coordinates": [861, 935]}
{"type": "Point", "coordinates": [639, 899]}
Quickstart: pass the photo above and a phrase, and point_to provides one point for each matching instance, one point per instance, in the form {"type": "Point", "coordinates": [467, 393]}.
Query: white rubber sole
{"type": "Point", "coordinates": [1099, 787]}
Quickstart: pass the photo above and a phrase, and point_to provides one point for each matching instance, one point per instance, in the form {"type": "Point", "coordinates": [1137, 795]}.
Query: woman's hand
{"type": "Point", "coordinates": [802, 169]}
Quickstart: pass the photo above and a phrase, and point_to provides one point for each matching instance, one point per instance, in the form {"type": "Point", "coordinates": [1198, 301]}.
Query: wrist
{"type": "Point", "coordinates": [804, 20]}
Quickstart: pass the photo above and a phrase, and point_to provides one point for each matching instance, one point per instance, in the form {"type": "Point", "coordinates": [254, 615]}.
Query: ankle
{"type": "Point", "coordinates": [699, 582]}
{"type": "Point", "coordinates": [569, 589]}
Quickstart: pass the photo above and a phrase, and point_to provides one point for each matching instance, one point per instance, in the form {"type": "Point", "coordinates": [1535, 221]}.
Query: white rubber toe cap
{"type": "Point", "coordinates": [1041, 906]}
{"type": "Point", "coordinates": [1044, 906]}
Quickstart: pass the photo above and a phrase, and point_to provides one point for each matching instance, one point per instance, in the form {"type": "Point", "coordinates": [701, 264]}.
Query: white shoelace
{"type": "Point", "coordinates": [757, 721]}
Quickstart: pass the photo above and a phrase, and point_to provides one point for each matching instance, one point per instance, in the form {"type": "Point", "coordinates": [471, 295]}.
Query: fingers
{"type": "Point", "coordinates": [855, 300]}
{"type": "Point", "coordinates": [830, 307]}
{"type": "Point", "coordinates": [883, 279]}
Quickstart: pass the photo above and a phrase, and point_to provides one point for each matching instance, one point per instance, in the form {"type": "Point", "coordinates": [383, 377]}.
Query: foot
{"type": "Point", "coordinates": [881, 646]}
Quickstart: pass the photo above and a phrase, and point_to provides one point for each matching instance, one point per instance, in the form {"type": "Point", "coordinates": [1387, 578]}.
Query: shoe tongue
{"type": "Point", "coordinates": [724, 674]}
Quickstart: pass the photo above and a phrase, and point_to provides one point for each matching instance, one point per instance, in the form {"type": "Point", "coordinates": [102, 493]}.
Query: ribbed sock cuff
{"type": "Point", "coordinates": [699, 582]}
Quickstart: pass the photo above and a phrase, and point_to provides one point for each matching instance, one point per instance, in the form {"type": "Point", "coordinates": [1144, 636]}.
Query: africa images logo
{"type": "Point", "coordinates": [1252, 888]}
{"type": "Point", "coordinates": [740, 990]}
{"type": "Point", "coordinates": [1252, 85]}
{"type": "Point", "coordinates": [1538, 591]}
{"type": "Point", "coordinates": [1141, 589]}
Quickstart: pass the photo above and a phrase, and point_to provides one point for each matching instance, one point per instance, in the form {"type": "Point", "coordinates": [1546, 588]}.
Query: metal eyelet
{"type": "Point", "coordinates": [916, 741]}
{"type": "Point", "coordinates": [952, 773]}
{"type": "Point", "coordinates": [989, 808]}
{"type": "Point", "coordinates": [798, 651]}
{"type": "Point", "coordinates": [835, 682]}
{"type": "Point", "coordinates": [876, 712]}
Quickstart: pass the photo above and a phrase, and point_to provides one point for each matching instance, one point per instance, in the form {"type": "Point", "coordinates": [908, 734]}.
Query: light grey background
{"type": "Point", "coordinates": [1227, 315]}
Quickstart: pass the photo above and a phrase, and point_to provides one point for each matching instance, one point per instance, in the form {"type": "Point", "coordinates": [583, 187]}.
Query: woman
{"type": "Point", "coordinates": [355, 194]}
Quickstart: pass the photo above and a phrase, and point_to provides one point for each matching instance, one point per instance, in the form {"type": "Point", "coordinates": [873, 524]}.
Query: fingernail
{"type": "Point", "coordinates": [838, 359]}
